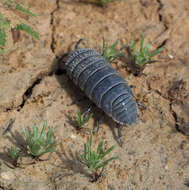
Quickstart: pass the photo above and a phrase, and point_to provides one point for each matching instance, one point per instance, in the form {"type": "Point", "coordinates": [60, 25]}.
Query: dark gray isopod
{"type": "Point", "coordinates": [102, 84]}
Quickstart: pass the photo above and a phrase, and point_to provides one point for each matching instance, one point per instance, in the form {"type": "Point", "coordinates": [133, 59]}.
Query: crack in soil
{"type": "Point", "coordinates": [160, 15]}
{"type": "Point", "coordinates": [29, 90]}
{"type": "Point", "coordinates": [175, 117]}
{"type": "Point", "coordinates": [53, 43]}
{"type": "Point", "coordinates": [27, 94]}
{"type": "Point", "coordinates": [170, 107]}
{"type": "Point", "coordinates": [163, 43]}
{"type": "Point", "coordinates": [173, 113]}
{"type": "Point", "coordinates": [166, 28]}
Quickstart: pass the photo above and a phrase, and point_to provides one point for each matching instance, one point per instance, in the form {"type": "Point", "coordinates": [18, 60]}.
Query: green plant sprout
{"type": "Point", "coordinates": [13, 4]}
{"type": "Point", "coordinates": [143, 57]}
{"type": "Point", "coordinates": [110, 52]}
{"type": "Point", "coordinates": [28, 29]}
{"type": "Point", "coordinates": [6, 26]}
{"type": "Point", "coordinates": [82, 119]}
{"type": "Point", "coordinates": [93, 160]}
{"type": "Point", "coordinates": [14, 153]}
{"type": "Point", "coordinates": [39, 144]}
{"type": "Point", "coordinates": [104, 2]}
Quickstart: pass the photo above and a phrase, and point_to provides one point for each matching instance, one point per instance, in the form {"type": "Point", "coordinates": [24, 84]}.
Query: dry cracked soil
{"type": "Point", "coordinates": [34, 88]}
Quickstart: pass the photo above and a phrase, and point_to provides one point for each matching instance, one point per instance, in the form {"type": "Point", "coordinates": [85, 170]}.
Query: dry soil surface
{"type": "Point", "coordinates": [34, 88]}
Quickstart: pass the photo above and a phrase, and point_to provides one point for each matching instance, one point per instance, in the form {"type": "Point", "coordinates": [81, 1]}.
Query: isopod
{"type": "Point", "coordinates": [102, 84]}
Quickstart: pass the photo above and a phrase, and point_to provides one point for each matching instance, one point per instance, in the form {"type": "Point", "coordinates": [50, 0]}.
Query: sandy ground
{"type": "Point", "coordinates": [155, 153]}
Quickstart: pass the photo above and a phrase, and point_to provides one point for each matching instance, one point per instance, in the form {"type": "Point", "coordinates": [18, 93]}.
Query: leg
{"type": "Point", "coordinates": [119, 127]}
{"type": "Point", "coordinates": [141, 106]}
{"type": "Point", "coordinates": [132, 86]}
{"type": "Point", "coordinates": [78, 100]}
{"type": "Point", "coordinates": [88, 111]}
{"type": "Point", "coordinates": [99, 122]}
{"type": "Point", "coordinates": [77, 44]}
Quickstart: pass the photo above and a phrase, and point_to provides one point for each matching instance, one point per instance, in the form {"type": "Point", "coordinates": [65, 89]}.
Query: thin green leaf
{"type": "Point", "coordinates": [79, 114]}
{"type": "Point", "coordinates": [35, 132]}
{"type": "Point", "coordinates": [85, 151]}
{"type": "Point", "coordinates": [146, 49]}
{"type": "Point", "coordinates": [133, 47]}
{"type": "Point", "coordinates": [89, 153]}
{"type": "Point", "coordinates": [115, 44]}
{"type": "Point", "coordinates": [42, 135]}
{"type": "Point", "coordinates": [34, 149]}
{"type": "Point", "coordinates": [142, 42]}
{"type": "Point", "coordinates": [91, 138]}
{"type": "Point", "coordinates": [155, 52]}
{"type": "Point", "coordinates": [27, 135]}
{"type": "Point", "coordinates": [100, 146]}
{"type": "Point", "coordinates": [86, 118]}
{"type": "Point", "coordinates": [22, 9]}
{"type": "Point", "coordinates": [103, 164]}
{"type": "Point", "coordinates": [3, 37]}
{"type": "Point", "coordinates": [49, 135]}
{"type": "Point", "coordinates": [107, 152]}
{"type": "Point", "coordinates": [79, 119]}
{"type": "Point", "coordinates": [28, 29]}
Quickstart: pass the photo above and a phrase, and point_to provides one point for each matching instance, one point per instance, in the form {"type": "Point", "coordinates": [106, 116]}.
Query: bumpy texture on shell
{"type": "Point", "coordinates": [102, 84]}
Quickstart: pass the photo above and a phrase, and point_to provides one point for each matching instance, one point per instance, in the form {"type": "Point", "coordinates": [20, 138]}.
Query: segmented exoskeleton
{"type": "Point", "coordinates": [102, 84]}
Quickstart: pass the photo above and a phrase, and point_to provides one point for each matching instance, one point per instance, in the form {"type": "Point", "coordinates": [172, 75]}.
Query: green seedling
{"type": "Point", "coordinates": [94, 159]}
{"type": "Point", "coordinates": [104, 2]}
{"type": "Point", "coordinates": [14, 154]}
{"type": "Point", "coordinates": [13, 4]}
{"type": "Point", "coordinates": [82, 119]}
{"type": "Point", "coordinates": [110, 52]}
{"type": "Point", "coordinates": [39, 144]}
{"type": "Point", "coordinates": [6, 25]}
{"type": "Point", "coordinates": [143, 57]}
{"type": "Point", "coordinates": [27, 29]}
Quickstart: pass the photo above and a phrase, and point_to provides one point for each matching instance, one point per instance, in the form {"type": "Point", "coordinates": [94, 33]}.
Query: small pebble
{"type": "Point", "coordinates": [73, 136]}
{"type": "Point", "coordinates": [170, 56]}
